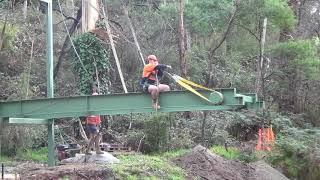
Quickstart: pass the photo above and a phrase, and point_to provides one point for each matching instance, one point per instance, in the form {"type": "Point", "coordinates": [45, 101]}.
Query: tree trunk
{"type": "Point", "coordinates": [25, 9]}
{"type": "Point", "coordinates": [90, 15]}
{"type": "Point", "coordinates": [3, 31]}
{"type": "Point", "coordinates": [66, 43]}
{"type": "Point", "coordinates": [182, 50]}
{"type": "Point", "coordinates": [259, 85]}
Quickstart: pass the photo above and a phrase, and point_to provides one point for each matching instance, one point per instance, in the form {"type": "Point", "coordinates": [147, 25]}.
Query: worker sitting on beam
{"type": "Point", "coordinates": [150, 79]}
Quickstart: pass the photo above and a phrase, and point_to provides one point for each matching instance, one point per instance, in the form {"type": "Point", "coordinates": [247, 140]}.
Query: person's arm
{"type": "Point", "coordinates": [161, 67]}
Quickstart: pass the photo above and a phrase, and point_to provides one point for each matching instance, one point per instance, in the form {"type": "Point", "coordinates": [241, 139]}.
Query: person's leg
{"type": "Point", "coordinates": [91, 142]}
{"type": "Point", "coordinates": [93, 132]}
{"type": "Point", "coordinates": [97, 141]}
{"type": "Point", "coordinates": [97, 144]}
{"type": "Point", "coordinates": [163, 87]}
{"type": "Point", "coordinates": [153, 90]}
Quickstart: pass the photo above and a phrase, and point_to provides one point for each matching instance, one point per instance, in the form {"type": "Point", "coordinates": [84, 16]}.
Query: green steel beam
{"type": "Point", "coordinates": [30, 111]}
{"type": "Point", "coordinates": [258, 104]}
{"type": "Point", "coordinates": [32, 121]}
{"type": "Point", "coordinates": [172, 101]}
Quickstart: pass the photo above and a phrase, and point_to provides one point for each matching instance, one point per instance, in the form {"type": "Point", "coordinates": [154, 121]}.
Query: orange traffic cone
{"type": "Point", "coordinates": [267, 142]}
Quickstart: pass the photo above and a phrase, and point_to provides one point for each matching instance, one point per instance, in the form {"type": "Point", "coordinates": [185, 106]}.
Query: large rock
{"type": "Point", "coordinates": [105, 158]}
{"type": "Point", "coordinates": [264, 171]}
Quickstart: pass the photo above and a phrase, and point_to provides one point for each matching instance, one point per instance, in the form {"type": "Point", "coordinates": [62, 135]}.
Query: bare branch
{"type": "Point", "coordinates": [249, 30]}
{"type": "Point", "coordinates": [66, 20]}
{"type": "Point", "coordinates": [67, 17]}
{"type": "Point", "coordinates": [232, 18]}
{"type": "Point", "coordinates": [66, 43]}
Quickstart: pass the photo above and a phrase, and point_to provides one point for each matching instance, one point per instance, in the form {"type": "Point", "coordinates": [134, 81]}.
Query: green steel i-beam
{"type": "Point", "coordinates": [172, 101]}
{"type": "Point", "coordinates": [31, 121]}
{"type": "Point", "coordinates": [33, 111]}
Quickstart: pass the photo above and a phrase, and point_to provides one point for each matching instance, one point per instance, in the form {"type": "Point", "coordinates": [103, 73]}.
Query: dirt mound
{"type": "Point", "coordinates": [70, 171]}
{"type": "Point", "coordinates": [206, 165]}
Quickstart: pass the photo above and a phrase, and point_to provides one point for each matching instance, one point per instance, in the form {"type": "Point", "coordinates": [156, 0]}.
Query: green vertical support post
{"type": "Point", "coordinates": [51, 143]}
{"type": "Point", "coordinates": [50, 93]}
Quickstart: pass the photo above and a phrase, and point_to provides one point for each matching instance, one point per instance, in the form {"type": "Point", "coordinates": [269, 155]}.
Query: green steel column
{"type": "Point", "coordinates": [1, 131]}
{"type": "Point", "coordinates": [51, 143]}
{"type": "Point", "coordinates": [50, 93]}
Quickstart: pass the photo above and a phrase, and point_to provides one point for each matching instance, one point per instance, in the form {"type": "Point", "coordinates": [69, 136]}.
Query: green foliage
{"type": "Point", "coordinates": [169, 12]}
{"type": "Point", "coordinates": [302, 54]}
{"type": "Point", "coordinates": [133, 138]}
{"type": "Point", "coordinates": [15, 139]}
{"type": "Point", "coordinates": [247, 157]}
{"type": "Point", "coordinates": [297, 150]}
{"type": "Point", "coordinates": [40, 155]}
{"type": "Point", "coordinates": [146, 167]}
{"type": "Point", "coordinates": [180, 138]}
{"type": "Point", "coordinates": [94, 57]}
{"type": "Point", "coordinates": [200, 15]}
{"type": "Point", "coordinates": [280, 14]}
{"type": "Point", "coordinates": [199, 64]}
{"type": "Point", "coordinates": [156, 131]}
{"type": "Point", "coordinates": [281, 123]}
{"type": "Point", "coordinates": [173, 153]}
{"type": "Point", "coordinates": [5, 4]}
{"type": "Point", "coordinates": [5, 159]}
{"type": "Point", "coordinates": [10, 33]}
{"type": "Point", "coordinates": [232, 153]}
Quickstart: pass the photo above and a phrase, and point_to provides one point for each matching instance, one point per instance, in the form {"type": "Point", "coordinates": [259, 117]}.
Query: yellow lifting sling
{"type": "Point", "coordinates": [187, 85]}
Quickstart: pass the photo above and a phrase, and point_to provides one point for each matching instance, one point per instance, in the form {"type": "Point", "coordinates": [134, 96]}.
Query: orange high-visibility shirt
{"type": "Point", "coordinates": [149, 72]}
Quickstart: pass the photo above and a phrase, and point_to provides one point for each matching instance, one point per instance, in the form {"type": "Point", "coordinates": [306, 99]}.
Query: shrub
{"type": "Point", "coordinates": [18, 138]}
{"type": "Point", "coordinates": [146, 167]}
{"type": "Point", "coordinates": [40, 155]}
{"type": "Point", "coordinates": [156, 131]}
{"type": "Point", "coordinates": [296, 151]}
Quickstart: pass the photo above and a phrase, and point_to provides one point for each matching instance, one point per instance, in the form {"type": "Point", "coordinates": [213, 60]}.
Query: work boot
{"type": "Point", "coordinates": [97, 144]}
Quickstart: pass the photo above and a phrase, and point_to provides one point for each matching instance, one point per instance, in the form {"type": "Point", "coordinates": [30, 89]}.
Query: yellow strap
{"type": "Point", "coordinates": [195, 85]}
{"type": "Point", "coordinates": [192, 90]}
{"type": "Point", "coordinates": [186, 84]}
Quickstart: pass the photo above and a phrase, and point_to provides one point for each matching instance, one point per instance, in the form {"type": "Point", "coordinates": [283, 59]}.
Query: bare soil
{"type": "Point", "coordinates": [69, 171]}
{"type": "Point", "coordinates": [201, 163]}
